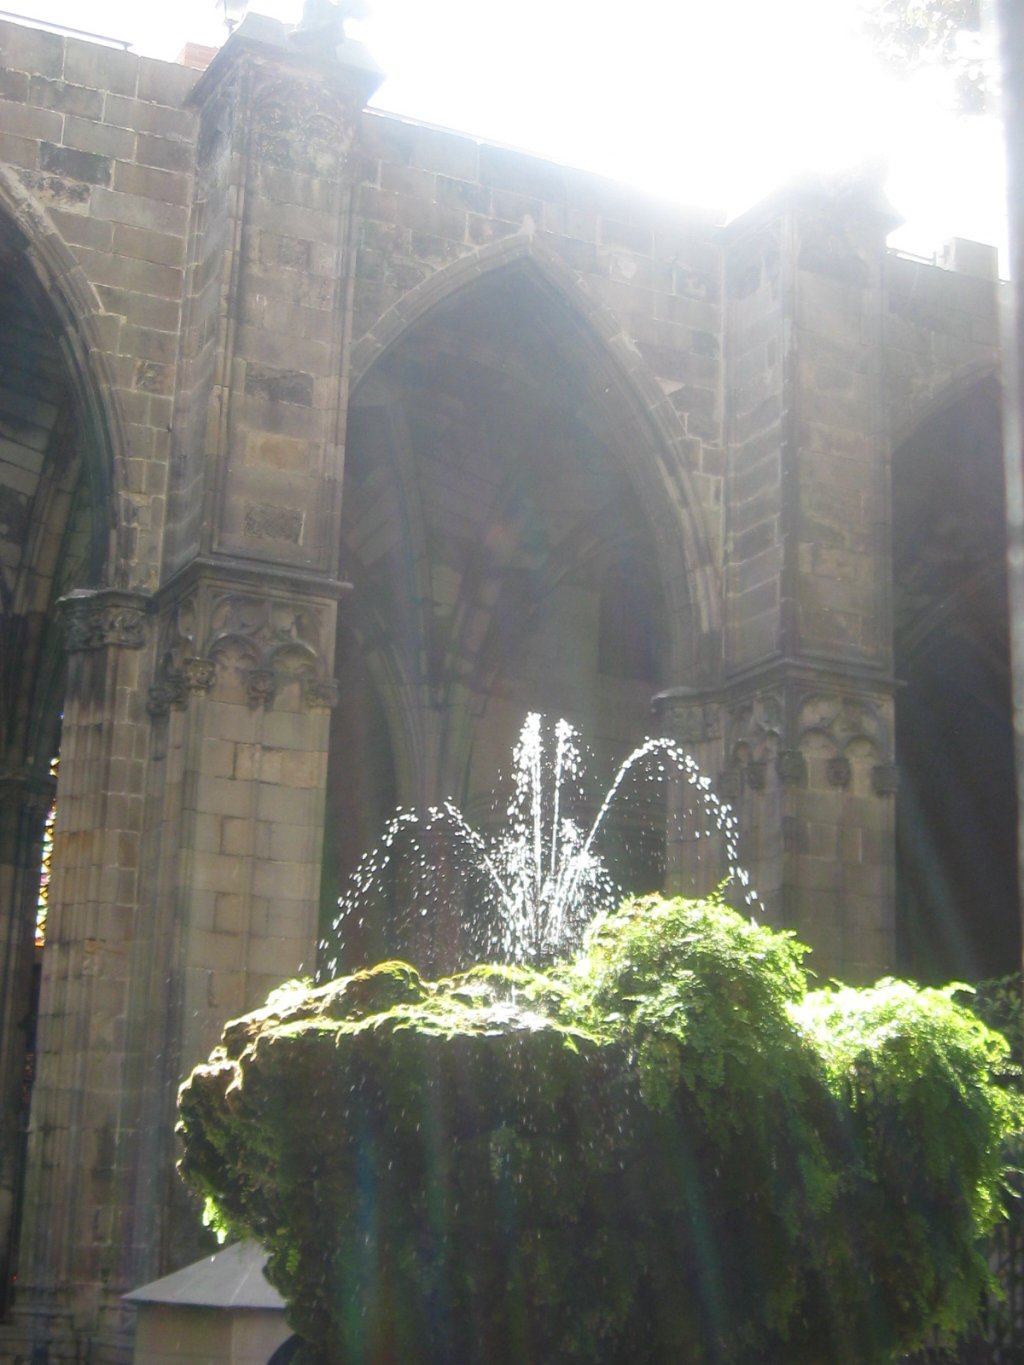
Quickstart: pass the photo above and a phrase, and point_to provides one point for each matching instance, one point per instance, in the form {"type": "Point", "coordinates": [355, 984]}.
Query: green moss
{"type": "Point", "coordinates": [664, 1149]}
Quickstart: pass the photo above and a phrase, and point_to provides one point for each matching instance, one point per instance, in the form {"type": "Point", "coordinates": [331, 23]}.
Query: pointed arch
{"type": "Point", "coordinates": [956, 386]}
{"type": "Point", "coordinates": [66, 301]}
{"type": "Point", "coordinates": [645, 427]}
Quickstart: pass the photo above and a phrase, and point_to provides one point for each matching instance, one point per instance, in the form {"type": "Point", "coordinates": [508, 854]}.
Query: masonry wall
{"type": "Point", "coordinates": [646, 271]}
{"type": "Point", "coordinates": [228, 258]}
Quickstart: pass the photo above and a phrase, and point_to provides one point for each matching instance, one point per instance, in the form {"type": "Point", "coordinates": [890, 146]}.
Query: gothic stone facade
{"type": "Point", "coordinates": [329, 445]}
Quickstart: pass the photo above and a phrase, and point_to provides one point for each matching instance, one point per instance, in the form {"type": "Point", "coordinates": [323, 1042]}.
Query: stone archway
{"type": "Point", "coordinates": [52, 541]}
{"type": "Point", "coordinates": [497, 490]}
{"type": "Point", "coordinates": [957, 904]}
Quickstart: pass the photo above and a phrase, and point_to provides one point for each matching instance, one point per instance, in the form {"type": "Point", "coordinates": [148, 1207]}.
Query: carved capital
{"type": "Point", "coordinates": [791, 767]}
{"type": "Point", "coordinates": [260, 685]}
{"type": "Point", "coordinates": [97, 618]}
{"type": "Point", "coordinates": [320, 694]}
{"type": "Point", "coordinates": [838, 771]}
{"type": "Point", "coordinates": [198, 673]}
{"type": "Point", "coordinates": [217, 629]}
{"type": "Point", "coordinates": [847, 723]}
{"type": "Point", "coordinates": [167, 694]}
{"type": "Point", "coordinates": [885, 779]}
{"type": "Point", "coordinates": [756, 773]}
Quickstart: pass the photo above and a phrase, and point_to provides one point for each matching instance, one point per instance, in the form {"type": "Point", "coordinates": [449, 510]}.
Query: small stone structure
{"type": "Point", "coordinates": [330, 444]}
{"type": "Point", "coordinates": [220, 1311]}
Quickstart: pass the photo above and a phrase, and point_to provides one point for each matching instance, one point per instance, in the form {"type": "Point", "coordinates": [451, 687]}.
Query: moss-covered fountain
{"type": "Point", "coordinates": [661, 1147]}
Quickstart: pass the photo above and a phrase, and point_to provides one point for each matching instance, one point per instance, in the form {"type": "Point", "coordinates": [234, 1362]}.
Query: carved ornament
{"type": "Point", "coordinates": [299, 127]}
{"type": "Point", "coordinates": [838, 771]}
{"type": "Point", "coordinates": [274, 640]}
{"type": "Point", "coordinates": [755, 728]}
{"type": "Point", "coordinates": [791, 767]}
{"type": "Point", "coordinates": [848, 727]}
{"type": "Point", "coordinates": [96, 619]}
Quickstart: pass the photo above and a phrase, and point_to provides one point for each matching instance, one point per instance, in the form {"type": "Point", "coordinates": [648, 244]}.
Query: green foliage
{"type": "Point", "coordinates": [942, 34]}
{"type": "Point", "coordinates": [665, 1149]}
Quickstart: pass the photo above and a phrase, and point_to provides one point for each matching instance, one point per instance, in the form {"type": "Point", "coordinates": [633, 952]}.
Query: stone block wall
{"type": "Point", "coordinates": [228, 258]}
{"type": "Point", "coordinates": [436, 209]}
{"type": "Point", "coordinates": [101, 143]}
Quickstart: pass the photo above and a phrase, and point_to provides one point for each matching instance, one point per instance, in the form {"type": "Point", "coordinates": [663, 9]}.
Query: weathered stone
{"type": "Point", "coordinates": [570, 447]}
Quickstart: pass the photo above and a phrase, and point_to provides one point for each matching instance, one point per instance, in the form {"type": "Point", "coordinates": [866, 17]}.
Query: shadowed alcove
{"type": "Point", "coordinates": [49, 544]}
{"type": "Point", "coordinates": [497, 535]}
{"type": "Point", "coordinates": [957, 901]}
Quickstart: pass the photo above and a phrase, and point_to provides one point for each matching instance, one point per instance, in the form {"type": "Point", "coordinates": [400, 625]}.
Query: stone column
{"type": "Point", "coordinates": [808, 655]}
{"type": "Point", "coordinates": [696, 851]}
{"type": "Point", "coordinates": [239, 707]}
{"type": "Point", "coordinates": [25, 800]}
{"type": "Point", "coordinates": [70, 1244]}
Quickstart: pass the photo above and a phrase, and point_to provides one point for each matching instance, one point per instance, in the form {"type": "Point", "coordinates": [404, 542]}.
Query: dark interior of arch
{"type": "Point", "coordinates": [501, 562]}
{"type": "Point", "coordinates": [47, 547]}
{"type": "Point", "coordinates": [957, 901]}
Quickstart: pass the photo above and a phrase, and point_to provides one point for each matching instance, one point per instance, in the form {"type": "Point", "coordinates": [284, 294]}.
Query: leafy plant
{"type": "Point", "coordinates": [665, 1148]}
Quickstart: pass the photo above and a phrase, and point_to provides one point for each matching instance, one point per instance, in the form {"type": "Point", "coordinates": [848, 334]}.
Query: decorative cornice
{"type": "Point", "coordinates": [230, 573]}
{"type": "Point", "coordinates": [820, 675]}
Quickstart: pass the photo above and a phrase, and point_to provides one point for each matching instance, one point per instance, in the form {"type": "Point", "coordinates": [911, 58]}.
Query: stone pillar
{"type": "Point", "coordinates": [808, 654]}
{"type": "Point", "coordinates": [25, 800]}
{"type": "Point", "coordinates": [260, 416]}
{"type": "Point", "coordinates": [240, 716]}
{"type": "Point", "coordinates": [70, 1243]}
{"type": "Point", "coordinates": [239, 707]}
{"type": "Point", "coordinates": [696, 853]}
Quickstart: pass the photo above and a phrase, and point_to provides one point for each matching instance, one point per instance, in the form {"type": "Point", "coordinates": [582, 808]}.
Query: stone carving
{"type": "Point", "coordinates": [755, 772]}
{"type": "Point", "coordinates": [261, 684]}
{"type": "Point", "coordinates": [696, 723]}
{"type": "Point", "coordinates": [791, 767]}
{"type": "Point", "coordinates": [838, 771]}
{"type": "Point", "coordinates": [272, 640]}
{"type": "Point", "coordinates": [755, 729]}
{"type": "Point", "coordinates": [263, 522]}
{"type": "Point", "coordinates": [849, 726]}
{"type": "Point", "coordinates": [95, 619]}
{"type": "Point", "coordinates": [320, 694]}
{"type": "Point", "coordinates": [844, 720]}
{"type": "Point", "coordinates": [300, 128]}
{"type": "Point", "coordinates": [198, 674]}
{"type": "Point", "coordinates": [885, 779]}
{"type": "Point", "coordinates": [168, 694]}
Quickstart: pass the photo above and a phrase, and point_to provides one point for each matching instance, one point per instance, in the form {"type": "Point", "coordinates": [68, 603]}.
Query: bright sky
{"type": "Point", "coordinates": [708, 102]}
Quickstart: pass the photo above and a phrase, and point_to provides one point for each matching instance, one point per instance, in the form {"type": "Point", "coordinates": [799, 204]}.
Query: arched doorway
{"type": "Point", "coordinates": [512, 548]}
{"type": "Point", "coordinates": [48, 546]}
{"type": "Point", "coordinates": [957, 902]}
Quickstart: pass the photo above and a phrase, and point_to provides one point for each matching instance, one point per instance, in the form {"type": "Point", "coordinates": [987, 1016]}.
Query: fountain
{"type": "Point", "coordinates": [528, 891]}
{"type": "Point", "coordinates": [637, 1138]}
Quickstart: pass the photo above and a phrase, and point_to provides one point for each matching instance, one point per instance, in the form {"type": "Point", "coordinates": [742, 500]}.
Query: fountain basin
{"type": "Point", "coordinates": [646, 1153]}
